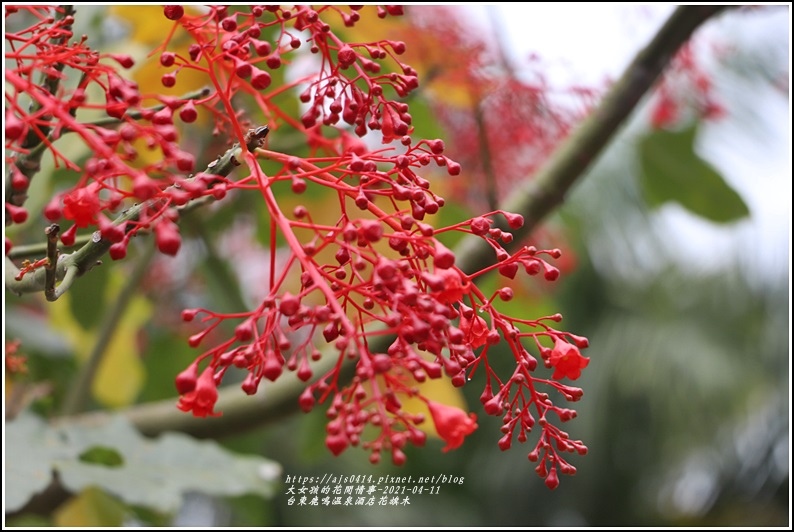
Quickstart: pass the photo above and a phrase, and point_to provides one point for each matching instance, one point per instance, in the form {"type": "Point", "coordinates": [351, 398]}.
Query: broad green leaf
{"type": "Point", "coordinates": [154, 473]}
{"type": "Point", "coordinates": [672, 171]}
{"type": "Point", "coordinates": [102, 455]}
{"type": "Point", "coordinates": [31, 447]}
{"type": "Point", "coordinates": [63, 321]}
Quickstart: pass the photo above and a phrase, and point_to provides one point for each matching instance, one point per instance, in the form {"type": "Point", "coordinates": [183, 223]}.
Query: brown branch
{"type": "Point", "coordinates": [543, 194]}
{"type": "Point", "coordinates": [81, 261]}
{"type": "Point", "coordinates": [52, 261]}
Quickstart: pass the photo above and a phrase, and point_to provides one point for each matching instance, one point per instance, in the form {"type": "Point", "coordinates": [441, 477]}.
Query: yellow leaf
{"type": "Point", "coordinates": [442, 71]}
{"type": "Point", "coordinates": [121, 374]}
{"type": "Point", "coordinates": [64, 321]}
{"type": "Point", "coordinates": [439, 391]}
{"type": "Point", "coordinates": [90, 508]}
{"type": "Point", "coordinates": [147, 23]}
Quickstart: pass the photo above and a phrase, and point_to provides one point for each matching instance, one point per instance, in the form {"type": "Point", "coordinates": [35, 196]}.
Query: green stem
{"type": "Point", "coordinates": [40, 248]}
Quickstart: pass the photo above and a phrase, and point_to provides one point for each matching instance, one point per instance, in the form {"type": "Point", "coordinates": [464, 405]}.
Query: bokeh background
{"type": "Point", "coordinates": [686, 411]}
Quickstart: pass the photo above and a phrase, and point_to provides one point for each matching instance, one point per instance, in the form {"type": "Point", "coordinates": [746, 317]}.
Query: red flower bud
{"type": "Point", "coordinates": [166, 235]}
{"type": "Point", "coordinates": [173, 12]}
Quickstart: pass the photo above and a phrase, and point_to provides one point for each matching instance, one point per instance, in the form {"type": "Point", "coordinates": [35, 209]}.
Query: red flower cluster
{"type": "Point", "coordinates": [685, 89]}
{"type": "Point", "coordinates": [15, 363]}
{"type": "Point", "coordinates": [370, 268]}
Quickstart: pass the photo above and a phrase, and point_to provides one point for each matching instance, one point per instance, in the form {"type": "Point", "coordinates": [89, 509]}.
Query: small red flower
{"type": "Point", "coordinates": [452, 424]}
{"type": "Point", "coordinates": [82, 206]}
{"type": "Point", "coordinates": [15, 363]}
{"type": "Point", "coordinates": [566, 360]}
{"type": "Point", "coordinates": [665, 112]}
{"type": "Point", "coordinates": [455, 286]}
{"type": "Point", "coordinates": [202, 399]}
{"type": "Point", "coordinates": [475, 329]}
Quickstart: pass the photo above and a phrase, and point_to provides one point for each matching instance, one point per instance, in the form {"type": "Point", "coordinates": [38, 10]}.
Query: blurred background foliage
{"type": "Point", "coordinates": [687, 396]}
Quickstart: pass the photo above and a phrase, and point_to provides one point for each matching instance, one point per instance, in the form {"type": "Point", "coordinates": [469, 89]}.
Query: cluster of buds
{"type": "Point", "coordinates": [371, 281]}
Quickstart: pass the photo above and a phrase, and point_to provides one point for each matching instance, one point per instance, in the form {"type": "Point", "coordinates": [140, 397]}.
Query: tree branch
{"type": "Point", "coordinates": [241, 412]}
{"type": "Point", "coordinates": [538, 197]}
{"type": "Point", "coordinates": [39, 248]}
{"type": "Point", "coordinates": [87, 256]}
{"type": "Point", "coordinates": [52, 261]}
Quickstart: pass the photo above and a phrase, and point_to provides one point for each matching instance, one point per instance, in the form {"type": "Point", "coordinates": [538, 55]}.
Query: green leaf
{"type": "Point", "coordinates": [101, 455]}
{"type": "Point", "coordinates": [672, 171]}
{"type": "Point", "coordinates": [121, 373]}
{"type": "Point", "coordinates": [85, 296]}
{"type": "Point", "coordinates": [154, 473]}
{"type": "Point", "coordinates": [31, 447]}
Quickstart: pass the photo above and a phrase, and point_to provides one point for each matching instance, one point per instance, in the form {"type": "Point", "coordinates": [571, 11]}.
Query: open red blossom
{"type": "Point", "coordinates": [475, 330]}
{"type": "Point", "coordinates": [454, 286]}
{"type": "Point", "coordinates": [452, 424]}
{"type": "Point", "coordinates": [82, 206]}
{"type": "Point", "coordinates": [566, 360]}
{"type": "Point", "coordinates": [202, 399]}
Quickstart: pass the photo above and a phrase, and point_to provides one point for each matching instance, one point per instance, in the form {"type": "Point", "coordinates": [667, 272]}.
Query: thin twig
{"type": "Point", "coordinates": [85, 258]}
{"type": "Point", "coordinates": [40, 248]}
{"type": "Point", "coordinates": [52, 261]}
{"type": "Point", "coordinates": [135, 115]}
{"type": "Point", "coordinates": [491, 184]}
